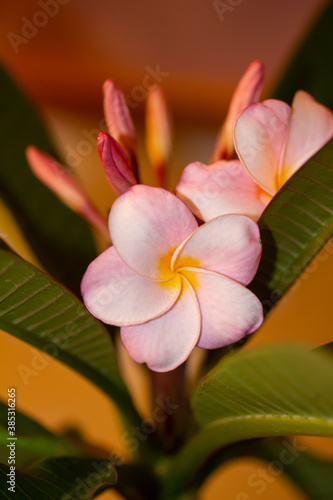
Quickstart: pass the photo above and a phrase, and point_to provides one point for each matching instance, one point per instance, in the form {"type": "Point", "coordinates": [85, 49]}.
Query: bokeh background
{"type": "Point", "coordinates": [198, 52]}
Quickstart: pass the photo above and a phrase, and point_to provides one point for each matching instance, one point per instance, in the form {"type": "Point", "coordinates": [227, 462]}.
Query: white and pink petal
{"type": "Point", "coordinates": [158, 133]}
{"type": "Point", "coordinates": [229, 311]}
{"type": "Point", "coordinates": [118, 118]}
{"type": "Point", "coordinates": [146, 226]}
{"type": "Point", "coordinates": [311, 127]}
{"type": "Point", "coordinates": [118, 169]}
{"type": "Point", "coordinates": [118, 296]}
{"type": "Point", "coordinates": [57, 178]}
{"type": "Point", "coordinates": [224, 187]}
{"type": "Point", "coordinates": [166, 342]}
{"type": "Point", "coordinates": [228, 245]}
{"type": "Point", "coordinates": [260, 134]}
{"type": "Point", "coordinates": [247, 92]}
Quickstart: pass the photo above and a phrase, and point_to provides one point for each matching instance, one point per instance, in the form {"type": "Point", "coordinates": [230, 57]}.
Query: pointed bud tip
{"type": "Point", "coordinates": [102, 137]}
{"type": "Point", "coordinates": [110, 87]}
{"type": "Point", "coordinates": [105, 139]}
{"type": "Point", "coordinates": [155, 89]}
{"type": "Point", "coordinates": [102, 142]}
{"type": "Point", "coordinates": [108, 84]}
{"type": "Point", "coordinates": [258, 67]}
{"type": "Point", "coordinates": [257, 62]}
{"type": "Point", "coordinates": [31, 150]}
{"type": "Point", "coordinates": [40, 162]}
{"type": "Point", "coordinates": [118, 169]}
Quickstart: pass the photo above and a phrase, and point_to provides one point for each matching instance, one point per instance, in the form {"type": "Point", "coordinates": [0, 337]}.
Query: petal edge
{"type": "Point", "coordinates": [166, 342]}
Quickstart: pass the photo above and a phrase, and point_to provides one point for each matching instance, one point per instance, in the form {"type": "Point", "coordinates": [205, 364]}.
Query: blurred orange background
{"type": "Point", "coordinates": [199, 56]}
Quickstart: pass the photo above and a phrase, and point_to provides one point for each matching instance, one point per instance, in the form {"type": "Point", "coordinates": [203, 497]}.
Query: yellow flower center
{"type": "Point", "coordinates": [184, 267]}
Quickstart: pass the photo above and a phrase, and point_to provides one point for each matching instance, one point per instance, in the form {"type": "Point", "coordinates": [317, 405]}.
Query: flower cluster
{"type": "Point", "coordinates": [272, 140]}
{"type": "Point", "coordinates": [167, 281]}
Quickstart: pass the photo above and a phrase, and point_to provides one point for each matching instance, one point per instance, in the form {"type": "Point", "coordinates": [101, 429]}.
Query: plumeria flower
{"type": "Point", "coordinates": [118, 155]}
{"type": "Point", "coordinates": [247, 92]}
{"type": "Point", "coordinates": [272, 140]}
{"type": "Point", "coordinates": [170, 284]}
{"type": "Point", "coordinates": [117, 167]}
{"type": "Point", "coordinates": [66, 187]}
{"type": "Point", "coordinates": [158, 133]}
{"type": "Point", "coordinates": [223, 187]}
{"type": "Point", "coordinates": [117, 150]}
{"type": "Point", "coordinates": [201, 185]}
{"type": "Point", "coordinates": [122, 131]}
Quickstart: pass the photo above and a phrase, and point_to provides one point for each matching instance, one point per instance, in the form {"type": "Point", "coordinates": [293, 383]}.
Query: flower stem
{"type": "Point", "coordinates": [170, 407]}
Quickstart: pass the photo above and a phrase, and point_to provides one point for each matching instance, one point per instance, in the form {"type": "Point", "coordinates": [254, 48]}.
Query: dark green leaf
{"type": "Point", "coordinates": [311, 68]}
{"type": "Point", "coordinates": [34, 440]}
{"type": "Point", "coordinates": [61, 239]}
{"type": "Point", "coordinates": [326, 347]}
{"type": "Point", "coordinates": [24, 424]}
{"type": "Point", "coordinates": [37, 309]}
{"type": "Point", "coordinates": [313, 475]}
{"type": "Point", "coordinates": [295, 226]}
{"type": "Point", "coordinates": [270, 391]}
{"type": "Point", "coordinates": [59, 479]}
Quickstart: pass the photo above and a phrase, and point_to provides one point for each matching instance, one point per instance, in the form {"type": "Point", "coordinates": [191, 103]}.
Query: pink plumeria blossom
{"type": "Point", "coordinates": [118, 150]}
{"type": "Point", "coordinates": [247, 92]}
{"type": "Point", "coordinates": [65, 186]}
{"type": "Point", "coordinates": [273, 140]}
{"type": "Point", "coordinates": [118, 119]}
{"type": "Point", "coordinates": [117, 153]}
{"type": "Point", "coordinates": [117, 167]}
{"type": "Point", "coordinates": [122, 140]}
{"type": "Point", "coordinates": [158, 133]}
{"type": "Point", "coordinates": [170, 284]}
{"type": "Point", "coordinates": [223, 187]}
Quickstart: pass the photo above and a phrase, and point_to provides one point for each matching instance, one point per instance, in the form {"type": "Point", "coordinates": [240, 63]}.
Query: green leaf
{"type": "Point", "coordinates": [59, 479]}
{"type": "Point", "coordinates": [311, 67]}
{"type": "Point", "coordinates": [312, 475]}
{"type": "Point", "coordinates": [326, 348]}
{"type": "Point", "coordinates": [61, 239]}
{"type": "Point", "coordinates": [42, 312]}
{"type": "Point", "coordinates": [295, 226]}
{"type": "Point", "coordinates": [34, 440]}
{"type": "Point", "coordinates": [24, 424]}
{"type": "Point", "coordinates": [269, 391]}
